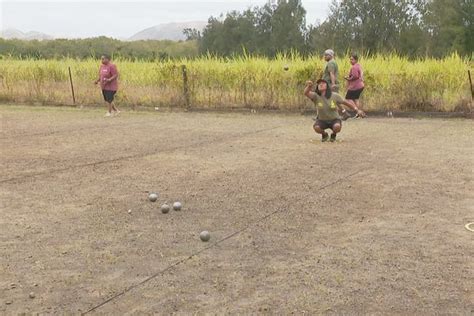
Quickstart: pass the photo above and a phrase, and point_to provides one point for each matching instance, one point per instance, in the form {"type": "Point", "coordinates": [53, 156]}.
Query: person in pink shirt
{"type": "Point", "coordinates": [108, 79]}
{"type": "Point", "coordinates": [355, 81]}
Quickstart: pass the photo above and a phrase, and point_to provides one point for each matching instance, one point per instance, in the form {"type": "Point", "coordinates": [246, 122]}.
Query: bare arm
{"type": "Point", "coordinates": [352, 106]}
{"type": "Point", "coordinates": [333, 78]}
{"type": "Point", "coordinates": [114, 75]}
{"type": "Point", "coordinates": [353, 75]}
{"type": "Point", "coordinates": [308, 90]}
{"type": "Point", "coordinates": [112, 78]}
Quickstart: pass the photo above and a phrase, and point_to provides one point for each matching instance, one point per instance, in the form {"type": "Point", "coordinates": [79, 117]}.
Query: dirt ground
{"type": "Point", "coordinates": [371, 224]}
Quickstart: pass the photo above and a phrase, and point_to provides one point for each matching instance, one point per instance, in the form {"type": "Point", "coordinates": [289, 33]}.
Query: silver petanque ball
{"type": "Point", "coordinates": [177, 206]}
{"type": "Point", "coordinates": [165, 208]}
{"type": "Point", "coordinates": [153, 197]}
{"type": "Point", "coordinates": [205, 236]}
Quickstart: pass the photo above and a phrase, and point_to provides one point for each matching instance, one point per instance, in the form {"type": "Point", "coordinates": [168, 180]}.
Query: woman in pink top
{"type": "Point", "coordinates": [108, 79]}
{"type": "Point", "coordinates": [355, 81]}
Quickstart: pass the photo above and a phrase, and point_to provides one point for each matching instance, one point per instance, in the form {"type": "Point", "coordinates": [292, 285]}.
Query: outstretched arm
{"type": "Point", "coordinates": [354, 107]}
{"type": "Point", "coordinates": [308, 90]}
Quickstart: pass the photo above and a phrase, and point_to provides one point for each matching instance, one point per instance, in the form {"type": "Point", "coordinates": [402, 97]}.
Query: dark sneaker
{"type": "Point", "coordinates": [333, 138]}
{"type": "Point", "coordinates": [325, 138]}
{"type": "Point", "coordinates": [346, 115]}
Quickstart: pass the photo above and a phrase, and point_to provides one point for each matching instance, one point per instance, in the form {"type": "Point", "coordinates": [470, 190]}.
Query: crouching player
{"type": "Point", "coordinates": [327, 103]}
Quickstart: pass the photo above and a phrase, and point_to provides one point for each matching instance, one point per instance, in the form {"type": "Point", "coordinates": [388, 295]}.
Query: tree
{"type": "Point", "coordinates": [275, 27]}
{"type": "Point", "coordinates": [409, 27]}
{"type": "Point", "coordinates": [95, 47]}
{"type": "Point", "coordinates": [281, 27]}
{"type": "Point", "coordinates": [192, 34]}
{"type": "Point", "coordinates": [367, 25]}
{"type": "Point", "coordinates": [449, 24]}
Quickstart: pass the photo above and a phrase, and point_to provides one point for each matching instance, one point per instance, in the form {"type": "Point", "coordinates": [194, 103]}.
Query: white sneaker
{"type": "Point", "coordinates": [108, 114]}
{"type": "Point", "coordinates": [116, 113]}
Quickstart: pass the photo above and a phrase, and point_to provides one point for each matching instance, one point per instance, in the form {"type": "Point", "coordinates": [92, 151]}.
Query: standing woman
{"type": "Point", "coordinates": [355, 81]}
{"type": "Point", "coordinates": [108, 79]}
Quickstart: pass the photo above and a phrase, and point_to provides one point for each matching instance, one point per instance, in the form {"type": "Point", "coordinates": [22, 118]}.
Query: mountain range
{"type": "Point", "coordinates": [32, 35]}
{"type": "Point", "coordinates": [168, 31]}
{"type": "Point", "coordinates": [165, 31]}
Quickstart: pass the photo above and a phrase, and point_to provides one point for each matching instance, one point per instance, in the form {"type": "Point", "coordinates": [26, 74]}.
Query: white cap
{"type": "Point", "coordinates": [329, 52]}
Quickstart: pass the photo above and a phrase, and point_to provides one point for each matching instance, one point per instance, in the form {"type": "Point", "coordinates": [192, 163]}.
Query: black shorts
{"type": "Point", "coordinates": [327, 124]}
{"type": "Point", "coordinates": [354, 94]}
{"type": "Point", "coordinates": [108, 95]}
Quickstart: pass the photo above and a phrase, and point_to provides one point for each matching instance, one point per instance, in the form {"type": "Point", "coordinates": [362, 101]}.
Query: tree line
{"type": "Point", "coordinates": [408, 27]}
{"type": "Point", "coordinates": [413, 28]}
{"type": "Point", "coordinates": [94, 47]}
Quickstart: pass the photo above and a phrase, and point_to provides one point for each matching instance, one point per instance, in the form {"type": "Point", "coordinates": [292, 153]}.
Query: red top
{"type": "Point", "coordinates": [356, 80]}
{"type": "Point", "coordinates": [106, 72]}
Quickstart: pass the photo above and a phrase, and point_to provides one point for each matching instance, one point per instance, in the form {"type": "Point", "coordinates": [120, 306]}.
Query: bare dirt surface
{"type": "Point", "coordinates": [372, 224]}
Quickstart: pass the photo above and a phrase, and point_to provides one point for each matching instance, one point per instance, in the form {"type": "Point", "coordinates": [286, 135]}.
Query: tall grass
{"type": "Point", "coordinates": [392, 82]}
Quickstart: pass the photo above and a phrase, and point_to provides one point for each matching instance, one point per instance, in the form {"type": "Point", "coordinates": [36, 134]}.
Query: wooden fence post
{"type": "Point", "coordinates": [185, 86]}
{"type": "Point", "coordinates": [470, 85]}
{"type": "Point", "coordinates": [72, 86]}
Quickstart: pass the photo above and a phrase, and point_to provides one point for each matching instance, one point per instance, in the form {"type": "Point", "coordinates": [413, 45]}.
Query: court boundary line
{"type": "Point", "coordinates": [138, 155]}
{"type": "Point", "coordinates": [220, 241]}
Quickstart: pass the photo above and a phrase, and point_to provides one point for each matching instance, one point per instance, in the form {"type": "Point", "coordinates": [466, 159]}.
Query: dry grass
{"type": "Point", "coordinates": [392, 82]}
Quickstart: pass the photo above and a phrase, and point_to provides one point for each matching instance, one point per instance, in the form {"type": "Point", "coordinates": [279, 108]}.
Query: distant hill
{"type": "Point", "coordinates": [17, 34]}
{"type": "Point", "coordinates": [168, 31]}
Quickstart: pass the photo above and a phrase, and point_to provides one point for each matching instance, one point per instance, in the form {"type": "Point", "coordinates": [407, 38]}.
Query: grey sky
{"type": "Point", "coordinates": [70, 18]}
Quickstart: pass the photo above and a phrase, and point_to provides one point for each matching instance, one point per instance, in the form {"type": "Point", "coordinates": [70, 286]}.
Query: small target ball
{"type": "Point", "coordinates": [129, 211]}
{"type": "Point", "coordinates": [153, 197]}
{"type": "Point", "coordinates": [205, 236]}
{"type": "Point", "coordinates": [177, 206]}
{"type": "Point", "coordinates": [165, 208]}
{"type": "Point", "coordinates": [286, 68]}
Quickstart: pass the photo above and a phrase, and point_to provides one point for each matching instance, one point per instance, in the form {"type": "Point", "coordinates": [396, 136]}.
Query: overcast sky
{"type": "Point", "coordinates": [68, 18]}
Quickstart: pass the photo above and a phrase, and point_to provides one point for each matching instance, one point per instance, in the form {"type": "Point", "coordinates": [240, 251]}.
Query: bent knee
{"type": "Point", "coordinates": [317, 128]}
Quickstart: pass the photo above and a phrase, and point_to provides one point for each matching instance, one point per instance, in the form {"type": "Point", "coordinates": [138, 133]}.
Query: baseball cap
{"type": "Point", "coordinates": [329, 52]}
